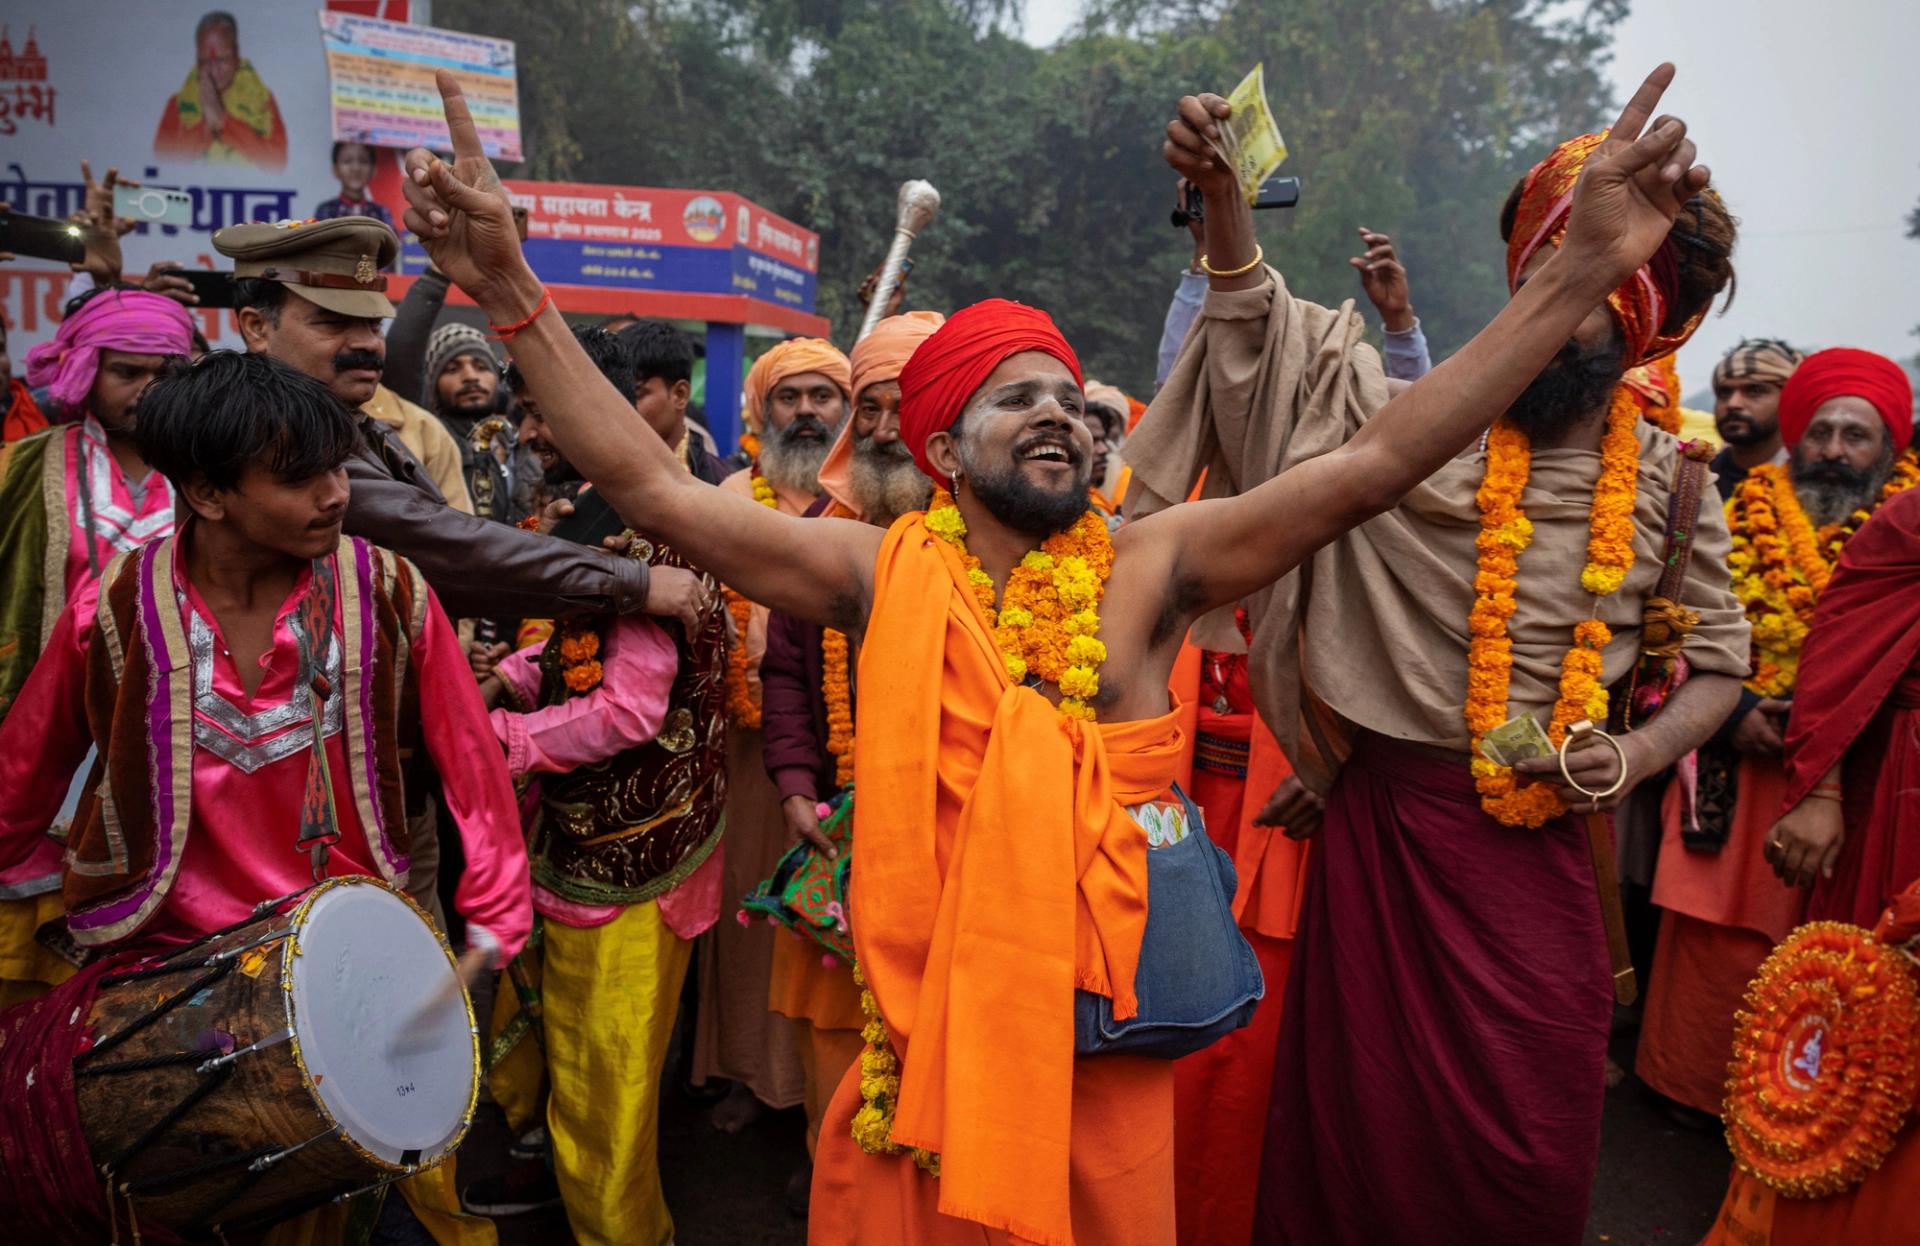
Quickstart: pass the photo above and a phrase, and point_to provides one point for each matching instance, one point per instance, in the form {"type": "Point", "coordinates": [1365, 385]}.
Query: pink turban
{"type": "Point", "coordinates": [949, 368]}
{"type": "Point", "coordinates": [1847, 373]}
{"type": "Point", "coordinates": [135, 321]}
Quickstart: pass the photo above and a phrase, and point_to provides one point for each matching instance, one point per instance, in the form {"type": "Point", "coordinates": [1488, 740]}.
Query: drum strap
{"type": "Point", "coordinates": [313, 630]}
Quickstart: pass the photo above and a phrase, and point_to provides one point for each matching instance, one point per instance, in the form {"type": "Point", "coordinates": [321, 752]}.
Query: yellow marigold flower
{"type": "Point", "coordinates": [1016, 616]}
{"type": "Point", "coordinates": [1079, 682]}
{"type": "Point", "coordinates": [1086, 651]}
{"type": "Point", "coordinates": [1081, 623]}
{"type": "Point", "coordinates": [1037, 560]}
{"type": "Point", "coordinates": [1016, 667]}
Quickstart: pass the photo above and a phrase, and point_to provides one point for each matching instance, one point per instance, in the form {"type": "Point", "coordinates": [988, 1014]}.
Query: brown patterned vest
{"type": "Point", "coordinates": [130, 829]}
{"type": "Point", "coordinates": [635, 826]}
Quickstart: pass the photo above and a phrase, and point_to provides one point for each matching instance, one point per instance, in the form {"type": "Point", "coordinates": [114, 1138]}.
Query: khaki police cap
{"type": "Point", "coordinates": [337, 264]}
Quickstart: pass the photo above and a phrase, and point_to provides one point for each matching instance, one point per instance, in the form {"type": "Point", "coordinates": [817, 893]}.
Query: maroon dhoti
{"type": "Point", "coordinates": [1443, 1043]}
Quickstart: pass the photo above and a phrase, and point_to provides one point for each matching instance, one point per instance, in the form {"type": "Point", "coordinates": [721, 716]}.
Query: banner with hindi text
{"type": "Point", "coordinates": [383, 90]}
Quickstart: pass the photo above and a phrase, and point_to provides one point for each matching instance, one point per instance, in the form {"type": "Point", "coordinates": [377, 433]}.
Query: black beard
{"type": "Point", "coordinates": [1578, 382]}
{"type": "Point", "coordinates": [472, 406]}
{"type": "Point", "coordinates": [1025, 507]}
{"type": "Point", "coordinates": [562, 473]}
{"type": "Point", "coordinates": [1747, 431]}
{"type": "Point", "coordinates": [792, 461]}
{"type": "Point", "coordinates": [886, 482]}
{"type": "Point", "coordinates": [1830, 489]}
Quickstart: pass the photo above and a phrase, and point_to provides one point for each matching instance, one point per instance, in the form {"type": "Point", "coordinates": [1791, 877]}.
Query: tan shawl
{"type": "Point", "coordinates": [1372, 630]}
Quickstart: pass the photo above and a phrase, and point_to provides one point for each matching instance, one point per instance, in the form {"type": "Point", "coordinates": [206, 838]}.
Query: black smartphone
{"type": "Point", "coordinates": [1275, 192]}
{"type": "Point", "coordinates": [41, 237]}
{"type": "Point", "coordinates": [213, 289]}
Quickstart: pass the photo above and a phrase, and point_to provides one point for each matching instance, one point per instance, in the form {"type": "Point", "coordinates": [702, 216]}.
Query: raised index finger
{"type": "Point", "coordinates": [1634, 117]}
{"type": "Point", "coordinates": [460, 128]}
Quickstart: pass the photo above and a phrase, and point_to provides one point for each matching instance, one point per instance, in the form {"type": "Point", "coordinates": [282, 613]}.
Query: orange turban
{"type": "Point", "coordinates": [1640, 304]}
{"type": "Point", "coordinates": [879, 356]}
{"type": "Point", "coordinates": [791, 358]}
{"type": "Point", "coordinates": [1111, 396]}
{"type": "Point", "coordinates": [949, 367]}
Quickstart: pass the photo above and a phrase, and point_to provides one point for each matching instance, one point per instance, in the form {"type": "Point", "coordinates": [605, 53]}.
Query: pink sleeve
{"type": "Point", "coordinates": [520, 672]}
{"type": "Point", "coordinates": [495, 894]}
{"type": "Point", "coordinates": [43, 740]}
{"type": "Point", "coordinates": [626, 709]}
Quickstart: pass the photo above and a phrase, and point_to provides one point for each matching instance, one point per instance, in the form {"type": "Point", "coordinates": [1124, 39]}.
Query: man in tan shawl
{"type": "Point", "coordinates": [1445, 1021]}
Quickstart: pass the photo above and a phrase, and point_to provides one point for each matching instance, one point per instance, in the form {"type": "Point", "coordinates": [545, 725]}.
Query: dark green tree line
{"type": "Point", "coordinates": [1412, 116]}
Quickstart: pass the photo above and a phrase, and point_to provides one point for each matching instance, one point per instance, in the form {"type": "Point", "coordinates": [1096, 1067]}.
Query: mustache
{"type": "Point", "coordinates": [358, 360]}
{"type": "Point", "coordinates": [883, 451]}
{"type": "Point", "coordinates": [1833, 472]}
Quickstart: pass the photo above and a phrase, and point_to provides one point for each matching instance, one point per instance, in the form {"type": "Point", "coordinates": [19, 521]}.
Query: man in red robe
{"type": "Point", "coordinates": [1853, 744]}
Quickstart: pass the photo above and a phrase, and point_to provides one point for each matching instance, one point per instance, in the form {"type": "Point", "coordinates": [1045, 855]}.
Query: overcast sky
{"type": "Point", "coordinates": [1805, 113]}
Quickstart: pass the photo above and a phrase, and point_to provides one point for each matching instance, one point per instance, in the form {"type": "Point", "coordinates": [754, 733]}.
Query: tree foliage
{"type": "Point", "coordinates": [1412, 116]}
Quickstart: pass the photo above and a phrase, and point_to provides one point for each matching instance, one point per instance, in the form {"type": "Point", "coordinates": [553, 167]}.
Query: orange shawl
{"type": "Point", "coordinates": [979, 808]}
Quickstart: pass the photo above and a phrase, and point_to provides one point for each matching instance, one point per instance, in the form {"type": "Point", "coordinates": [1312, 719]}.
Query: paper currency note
{"type": "Point", "coordinates": [1250, 138]}
{"type": "Point", "coordinates": [1516, 740]}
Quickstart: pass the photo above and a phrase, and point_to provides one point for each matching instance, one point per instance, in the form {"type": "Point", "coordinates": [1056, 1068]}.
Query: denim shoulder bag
{"type": "Point", "coordinates": [1198, 979]}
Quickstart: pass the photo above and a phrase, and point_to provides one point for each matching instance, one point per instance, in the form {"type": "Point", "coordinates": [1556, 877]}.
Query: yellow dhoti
{"type": "Point", "coordinates": [608, 996]}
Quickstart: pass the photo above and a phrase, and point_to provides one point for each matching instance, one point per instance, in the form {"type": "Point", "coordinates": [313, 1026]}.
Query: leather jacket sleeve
{"type": "Point", "coordinates": [406, 370]}
{"type": "Point", "coordinates": [478, 567]}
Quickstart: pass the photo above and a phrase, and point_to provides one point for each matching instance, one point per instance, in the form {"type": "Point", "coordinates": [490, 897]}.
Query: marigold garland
{"type": "Point", "coordinates": [1823, 1073]}
{"type": "Point", "coordinates": [742, 707]}
{"type": "Point", "coordinates": [880, 1085]}
{"type": "Point", "coordinates": [1781, 564]}
{"type": "Point", "coordinates": [579, 657]}
{"type": "Point", "coordinates": [1505, 531]}
{"type": "Point", "coordinates": [1048, 619]}
{"type": "Point", "coordinates": [837, 688]}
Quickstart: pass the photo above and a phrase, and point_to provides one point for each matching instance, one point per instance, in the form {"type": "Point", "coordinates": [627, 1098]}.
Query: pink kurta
{"type": "Point", "coordinates": [638, 667]}
{"type": "Point", "coordinates": [249, 772]}
{"type": "Point", "coordinates": [125, 514]}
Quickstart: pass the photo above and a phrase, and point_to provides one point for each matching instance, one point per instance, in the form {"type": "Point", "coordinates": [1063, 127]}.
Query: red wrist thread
{"type": "Point", "coordinates": [502, 333]}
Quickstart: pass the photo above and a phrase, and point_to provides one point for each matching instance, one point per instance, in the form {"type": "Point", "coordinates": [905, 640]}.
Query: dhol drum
{"type": "Point", "coordinates": [318, 1051]}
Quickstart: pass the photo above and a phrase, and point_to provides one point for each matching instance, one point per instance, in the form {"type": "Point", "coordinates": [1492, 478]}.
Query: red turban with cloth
{"type": "Point", "coordinates": [1847, 373]}
{"type": "Point", "coordinates": [950, 367]}
{"type": "Point", "coordinates": [1640, 304]}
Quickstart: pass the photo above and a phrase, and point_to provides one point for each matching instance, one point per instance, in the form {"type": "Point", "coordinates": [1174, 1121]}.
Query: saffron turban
{"type": "Point", "coordinates": [877, 357]}
{"type": "Point", "coordinates": [950, 367]}
{"type": "Point", "coordinates": [135, 321]}
{"type": "Point", "coordinates": [1640, 304]}
{"type": "Point", "coordinates": [792, 358]}
{"type": "Point", "coordinates": [1847, 373]}
{"type": "Point", "coordinates": [1758, 359]}
{"type": "Point", "coordinates": [1115, 400]}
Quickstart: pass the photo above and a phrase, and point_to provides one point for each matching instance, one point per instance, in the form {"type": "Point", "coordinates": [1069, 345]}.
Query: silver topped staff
{"type": "Point", "coordinates": [919, 204]}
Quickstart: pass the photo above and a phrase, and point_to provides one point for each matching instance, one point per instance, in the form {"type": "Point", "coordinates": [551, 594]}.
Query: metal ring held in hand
{"type": "Point", "coordinates": [1574, 734]}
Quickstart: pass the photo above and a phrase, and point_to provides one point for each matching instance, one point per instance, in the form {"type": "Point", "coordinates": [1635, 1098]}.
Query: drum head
{"type": "Point", "coordinates": [399, 1085]}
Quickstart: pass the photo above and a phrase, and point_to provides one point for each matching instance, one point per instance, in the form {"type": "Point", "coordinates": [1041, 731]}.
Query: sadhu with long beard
{"type": "Point", "coordinates": [1444, 1030]}
{"type": "Point", "coordinates": [1015, 732]}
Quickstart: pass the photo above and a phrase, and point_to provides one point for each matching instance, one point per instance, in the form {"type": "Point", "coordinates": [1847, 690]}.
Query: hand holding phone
{"type": "Point", "coordinates": [41, 238]}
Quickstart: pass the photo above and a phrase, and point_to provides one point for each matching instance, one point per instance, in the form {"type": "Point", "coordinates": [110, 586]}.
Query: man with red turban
{"type": "Point", "coordinates": [796, 404]}
{"type": "Point", "coordinates": [1015, 736]}
{"type": "Point", "coordinates": [1851, 763]}
{"type": "Point", "coordinates": [1846, 417]}
{"type": "Point", "coordinates": [1443, 1032]}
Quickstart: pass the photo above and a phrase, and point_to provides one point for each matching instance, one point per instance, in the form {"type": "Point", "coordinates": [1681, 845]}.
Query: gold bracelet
{"type": "Point", "coordinates": [1258, 257]}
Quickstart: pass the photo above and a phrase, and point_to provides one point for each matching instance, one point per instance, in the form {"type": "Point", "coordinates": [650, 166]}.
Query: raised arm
{"type": "Point", "coordinates": [1623, 206]}
{"type": "Point", "coordinates": [817, 569]}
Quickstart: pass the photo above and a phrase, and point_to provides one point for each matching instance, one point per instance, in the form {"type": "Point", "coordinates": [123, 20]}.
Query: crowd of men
{"type": "Point", "coordinates": [626, 683]}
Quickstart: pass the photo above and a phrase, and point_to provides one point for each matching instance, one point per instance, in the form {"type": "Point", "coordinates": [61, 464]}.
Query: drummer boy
{"type": "Point", "coordinates": [197, 669]}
